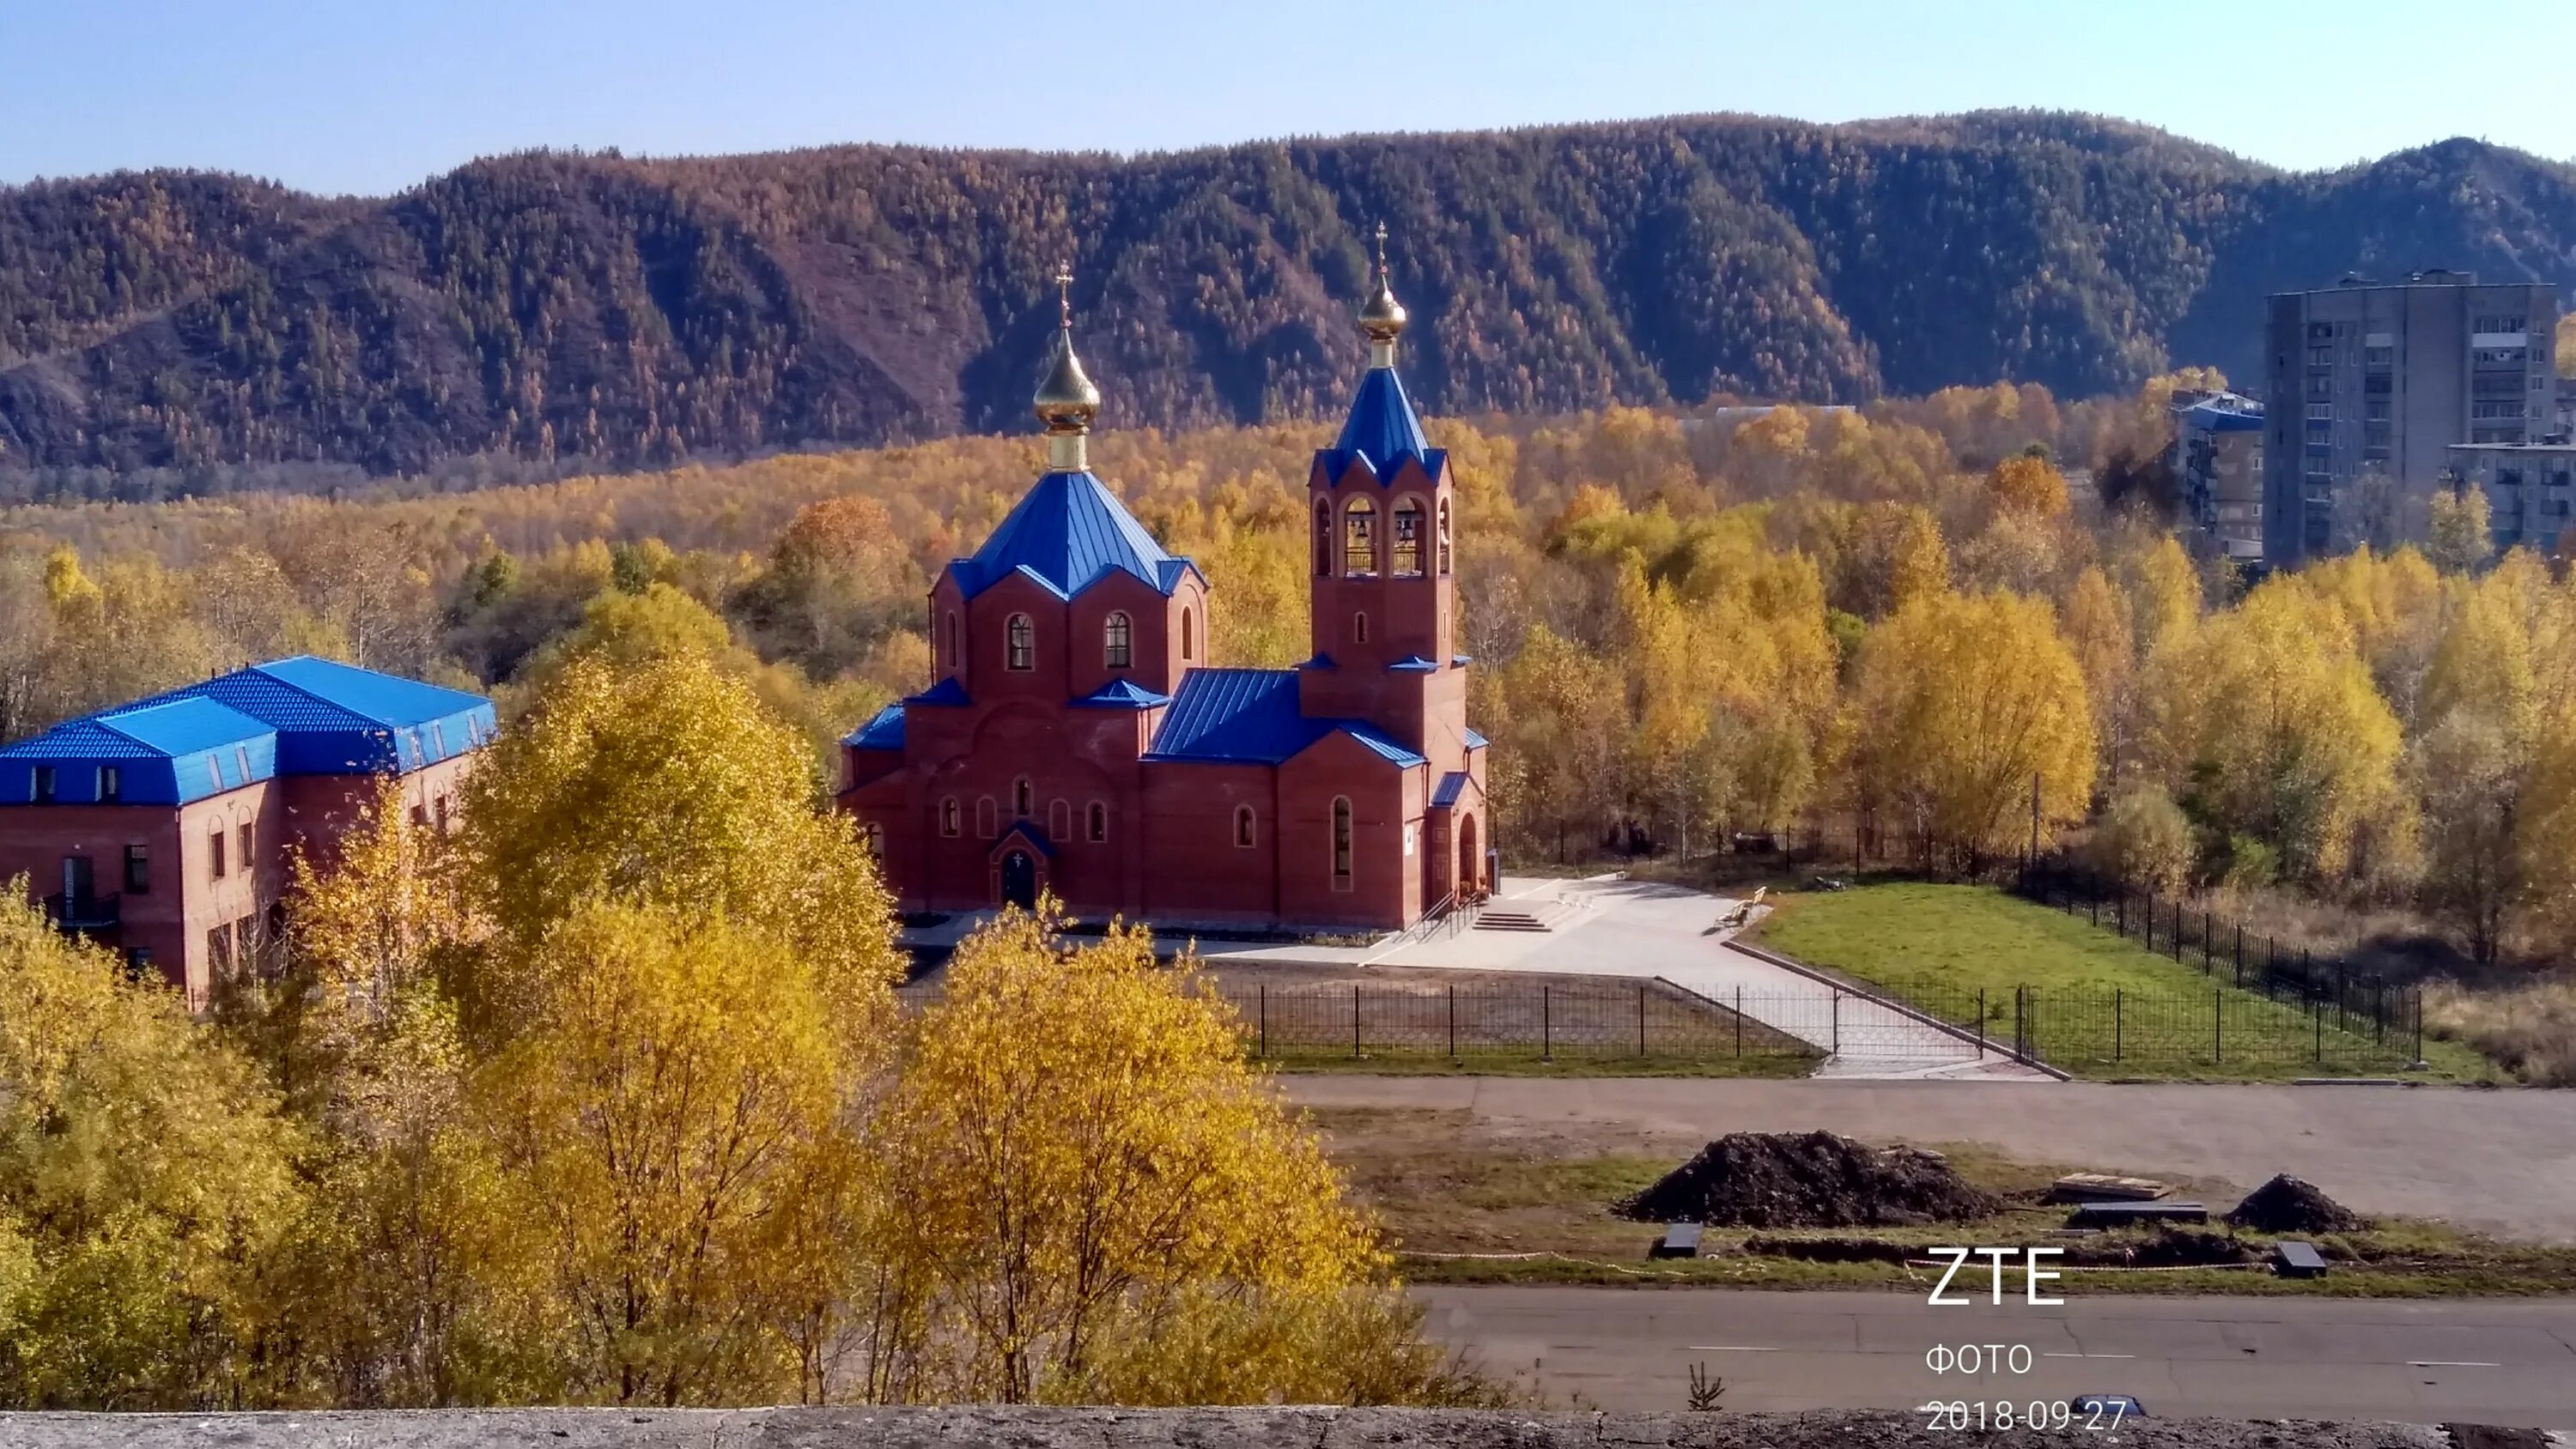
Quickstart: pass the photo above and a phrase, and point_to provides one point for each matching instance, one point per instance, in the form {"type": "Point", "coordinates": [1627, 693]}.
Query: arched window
{"type": "Point", "coordinates": [948, 641]}
{"type": "Point", "coordinates": [1359, 537]}
{"type": "Point", "coordinates": [1444, 538]}
{"type": "Point", "coordinates": [1022, 798]}
{"type": "Point", "coordinates": [1243, 826]}
{"type": "Point", "coordinates": [948, 816]}
{"type": "Point", "coordinates": [1341, 843]}
{"type": "Point", "coordinates": [1407, 560]}
{"type": "Point", "coordinates": [1099, 822]}
{"type": "Point", "coordinates": [1359, 628]}
{"type": "Point", "coordinates": [1118, 637]}
{"type": "Point", "coordinates": [1323, 539]}
{"type": "Point", "coordinates": [1059, 820]}
{"type": "Point", "coordinates": [985, 828]}
{"type": "Point", "coordinates": [1021, 639]}
{"type": "Point", "coordinates": [1189, 638]}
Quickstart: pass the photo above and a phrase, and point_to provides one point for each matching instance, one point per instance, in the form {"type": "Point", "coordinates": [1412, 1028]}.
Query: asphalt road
{"type": "Point", "coordinates": [2492, 1361]}
{"type": "Point", "coordinates": [2492, 1161]}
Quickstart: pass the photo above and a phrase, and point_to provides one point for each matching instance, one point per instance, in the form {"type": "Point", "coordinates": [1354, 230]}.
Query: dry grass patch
{"type": "Point", "coordinates": [2531, 1030]}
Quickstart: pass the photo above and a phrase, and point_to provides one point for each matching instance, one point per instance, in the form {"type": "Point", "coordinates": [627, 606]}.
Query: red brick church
{"type": "Point", "coordinates": [1075, 739]}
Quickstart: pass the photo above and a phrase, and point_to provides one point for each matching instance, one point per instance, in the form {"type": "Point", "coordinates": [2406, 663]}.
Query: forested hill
{"type": "Point", "coordinates": [631, 311]}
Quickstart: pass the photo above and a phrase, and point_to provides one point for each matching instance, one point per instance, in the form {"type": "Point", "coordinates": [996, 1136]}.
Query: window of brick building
{"type": "Point", "coordinates": [1243, 826]}
{"type": "Point", "coordinates": [872, 835]}
{"type": "Point", "coordinates": [1189, 637]}
{"type": "Point", "coordinates": [219, 951]}
{"type": "Point", "coordinates": [138, 870]}
{"type": "Point", "coordinates": [1444, 538]}
{"type": "Point", "coordinates": [1407, 553]}
{"type": "Point", "coordinates": [1359, 537]}
{"type": "Point", "coordinates": [948, 823]}
{"type": "Point", "coordinates": [1099, 822]}
{"type": "Point", "coordinates": [1023, 798]}
{"type": "Point", "coordinates": [1118, 641]}
{"type": "Point", "coordinates": [111, 785]}
{"type": "Point", "coordinates": [1020, 643]}
{"type": "Point", "coordinates": [247, 837]}
{"type": "Point", "coordinates": [138, 962]}
{"type": "Point", "coordinates": [215, 852]}
{"type": "Point", "coordinates": [1323, 538]}
{"type": "Point", "coordinates": [1359, 628]}
{"type": "Point", "coordinates": [1341, 843]}
{"type": "Point", "coordinates": [40, 787]}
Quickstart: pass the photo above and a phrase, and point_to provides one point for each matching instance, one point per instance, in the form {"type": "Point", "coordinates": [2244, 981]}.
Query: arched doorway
{"type": "Point", "coordinates": [1469, 863]}
{"type": "Point", "coordinates": [1020, 880]}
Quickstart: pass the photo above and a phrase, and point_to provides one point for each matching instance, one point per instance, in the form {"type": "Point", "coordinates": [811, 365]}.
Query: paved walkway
{"type": "Point", "coordinates": [2475, 1361]}
{"type": "Point", "coordinates": [2491, 1161]}
{"type": "Point", "coordinates": [1606, 926]}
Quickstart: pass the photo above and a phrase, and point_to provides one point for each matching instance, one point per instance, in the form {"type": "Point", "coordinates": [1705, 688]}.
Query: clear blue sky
{"type": "Point", "coordinates": [370, 96]}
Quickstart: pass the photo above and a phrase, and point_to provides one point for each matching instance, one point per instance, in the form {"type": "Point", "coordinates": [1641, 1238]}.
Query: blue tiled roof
{"type": "Point", "coordinates": [1068, 533]}
{"type": "Point", "coordinates": [1452, 785]}
{"type": "Point", "coordinates": [1250, 716]}
{"type": "Point", "coordinates": [1027, 830]}
{"type": "Point", "coordinates": [883, 732]}
{"type": "Point", "coordinates": [1476, 741]}
{"type": "Point", "coordinates": [1413, 664]}
{"type": "Point", "coordinates": [1122, 694]}
{"type": "Point", "coordinates": [298, 716]}
{"type": "Point", "coordinates": [947, 691]}
{"type": "Point", "coordinates": [1382, 429]}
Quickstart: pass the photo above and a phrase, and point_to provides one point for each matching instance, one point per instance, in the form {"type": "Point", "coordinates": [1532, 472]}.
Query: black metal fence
{"type": "Point", "coordinates": [2223, 1030]}
{"type": "Point", "coordinates": [2224, 949]}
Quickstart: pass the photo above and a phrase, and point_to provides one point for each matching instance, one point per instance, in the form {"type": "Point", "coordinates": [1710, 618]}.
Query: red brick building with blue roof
{"type": "Point", "coordinates": [1076, 741]}
{"type": "Point", "coordinates": [163, 828]}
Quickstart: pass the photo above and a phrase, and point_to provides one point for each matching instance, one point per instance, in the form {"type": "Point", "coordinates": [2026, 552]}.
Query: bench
{"type": "Point", "coordinates": [2297, 1260]}
{"type": "Point", "coordinates": [1680, 1240]}
{"type": "Point", "coordinates": [2113, 1214]}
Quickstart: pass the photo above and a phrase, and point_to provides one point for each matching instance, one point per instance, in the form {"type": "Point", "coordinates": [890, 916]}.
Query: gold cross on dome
{"type": "Point", "coordinates": [1381, 248]}
{"type": "Point", "coordinates": [1064, 291]}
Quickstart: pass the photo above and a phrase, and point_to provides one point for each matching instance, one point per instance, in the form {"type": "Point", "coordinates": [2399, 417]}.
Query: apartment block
{"type": "Point", "coordinates": [2368, 382]}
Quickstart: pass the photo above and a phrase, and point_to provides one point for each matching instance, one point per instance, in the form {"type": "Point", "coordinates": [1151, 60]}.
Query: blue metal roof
{"type": "Point", "coordinates": [1413, 664]}
{"type": "Point", "coordinates": [946, 692]}
{"type": "Point", "coordinates": [1122, 694]}
{"type": "Point", "coordinates": [2210, 417]}
{"type": "Point", "coordinates": [1026, 830]}
{"type": "Point", "coordinates": [1451, 786]}
{"type": "Point", "coordinates": [1068, 533]}
{"type": "Point", "coordinates": [300, 716]}
{"type": "Point", "coordinates": [883, 732]}
{"type": "Point", "coordinates": [1250, 716]}
{"type": "Point", "coordinates": [1476, 741]}
{"type": "Point", "coordinates": [1382, 430]}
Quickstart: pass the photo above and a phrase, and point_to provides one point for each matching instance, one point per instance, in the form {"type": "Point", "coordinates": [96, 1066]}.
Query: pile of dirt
{"type": "Point", "coordinates": [2167, 1245]}
{"type": "Point", "coordinates": [2288, 1204]}
{"type": "Point", "coordinates": [1809, 1180]}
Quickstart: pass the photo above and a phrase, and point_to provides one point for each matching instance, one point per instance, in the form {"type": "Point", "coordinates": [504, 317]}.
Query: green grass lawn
{"type": "Point", "coordinates": [2100, 1005]}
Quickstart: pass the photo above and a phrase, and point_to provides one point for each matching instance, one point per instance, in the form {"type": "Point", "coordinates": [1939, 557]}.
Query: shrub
{"type": "Point", "coordinates": [2530, 1029]}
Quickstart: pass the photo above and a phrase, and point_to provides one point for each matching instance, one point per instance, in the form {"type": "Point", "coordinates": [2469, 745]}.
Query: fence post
{"type": "Point", "coordinates": [1838, 1021]}
{"type": "Point", "coordinates": [2240, 953]}
{"type": "Point", "coordinates": [2217, 1026]}
{"type": "Point", "coordinates": [1739, 1021]}
{"type": "Point", "coordinates": [1641, 1018]}
{"type": "Point", "coordinates": [1355, 1021]}
{"type": "Point", "coordinates": [2119, 1021]}
{"type": "Point", "coordinates": [2418, 994]}
{"type": "Point", "coordinates": [2150, 936]}
{"type": "Point", "coordinates": [1981, 1023]}
{"type": "Point", "coordinates": [2176, 943]}
{"type": "Point", "coordinates": [1265, 1018]}
{"type": "Point", "coordinates": [2318, 1009]}
{"type": "Point", "coordinates": [1453, 1021]}
{"type": "Point", "coordinates": [2207, 962]}
{"type": "Point", "coordinates": [1546, 1028]}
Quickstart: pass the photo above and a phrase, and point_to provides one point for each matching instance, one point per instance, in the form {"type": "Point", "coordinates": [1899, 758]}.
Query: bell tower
{"type": "Point", "coordinates": [1381, 521]}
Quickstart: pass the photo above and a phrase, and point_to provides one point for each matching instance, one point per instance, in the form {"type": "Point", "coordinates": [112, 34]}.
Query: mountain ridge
{"type": "Point", "coordinates": [551, 304]}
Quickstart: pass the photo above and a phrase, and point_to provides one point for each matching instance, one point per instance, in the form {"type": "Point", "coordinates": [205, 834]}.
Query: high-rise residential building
{"type": "Point", "coordinates": [2218, 456]}
{"type": "Point", "coordinates": [2368, 385]}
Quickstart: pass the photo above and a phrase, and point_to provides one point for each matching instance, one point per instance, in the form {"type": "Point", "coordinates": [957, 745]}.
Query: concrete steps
{"type": "Point", "coordinates": [1499, 918]}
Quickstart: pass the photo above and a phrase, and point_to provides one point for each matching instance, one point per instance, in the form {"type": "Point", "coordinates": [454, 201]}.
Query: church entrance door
{"type": "Point", "coordinates": [1469, 887]}
{"type": "Point", "coordinates": [1020, 880]}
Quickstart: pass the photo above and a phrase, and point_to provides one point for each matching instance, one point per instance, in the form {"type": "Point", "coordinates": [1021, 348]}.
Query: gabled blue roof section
{"type": "Point", "coordinates": [1122, 694]}
{"type": "Point", "coordinates": [1068, 533]}
{"type": "Point", "coordinates": [1382, 429]}
{"type": "Point", "coordinates": [300, 716]}
{"type": "Point", "coordinates": [1452, 785]}
{"type": "Point", "coordinates": [1413, 664]}
{"type": "Point", "coordinates": [1250, 717]}
{"type": "Point", "coordinates": [884, 731]}
{"type": "Point", "coordinates": [946, 692]}
{"type": "Point", "coordinates": [1026, 830]}
{"type": "Point", "coordinates": [1476, 741]}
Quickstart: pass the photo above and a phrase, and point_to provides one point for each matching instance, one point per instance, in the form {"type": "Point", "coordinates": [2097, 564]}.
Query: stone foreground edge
{"type": "Point", "coordinates": [1247, 1428]}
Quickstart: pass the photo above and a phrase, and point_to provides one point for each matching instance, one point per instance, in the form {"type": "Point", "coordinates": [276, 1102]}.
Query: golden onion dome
{"type": "Point", "coordinates": [1066, 400]}
{"type": "Point", "coordinates": [1381, 316]}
